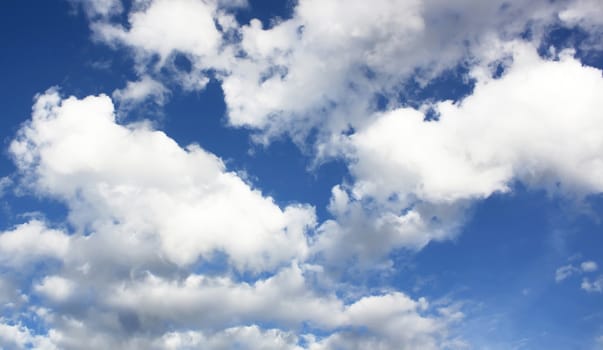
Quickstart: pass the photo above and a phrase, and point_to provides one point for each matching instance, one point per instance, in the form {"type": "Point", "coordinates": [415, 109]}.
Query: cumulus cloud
{"type": "Point", "coordinates": [131, 178]}
{"type": "Point", "coordinates": [366, 232]}
{"type": "Point", "coordinates": [250, 337]}
{"type": "Point", "coordinates": [32, 241]}
{"type": "Point", "coordinates": [536, 124]}
{"type": "Point", "coordinates": [18, 336]}
{"type": "Point", "coordinates": [208, 303]}
{"type": "Point", "coordinates": [165, 28]}
{"type": "Point", "coordinates": [55, 288]}
{"type": "Point", "coordinates": [147, 218]}
{"type": "Point", "coordinates": [331, 57]}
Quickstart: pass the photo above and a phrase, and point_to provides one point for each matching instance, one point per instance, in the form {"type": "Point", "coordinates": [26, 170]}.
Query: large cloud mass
{"type": "Point", "coordinates": [138, 181]}
{"type": "Point", "coordinates": [147, 219]}
{"type": "Point", "coordinates": [538, 124]}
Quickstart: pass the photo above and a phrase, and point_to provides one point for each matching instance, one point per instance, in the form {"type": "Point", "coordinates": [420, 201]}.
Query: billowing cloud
{"type": "Point", "coordinates": [18, 336]}
{"type": "Point", "coordinates": [331, 57]}
{"type": "Point", "coordinates": [138, 181]}
{"type": "Point", "coordinates": [147, 218]}
{"type": "Point", "coordinates": [32, 241]}
{"type": "Point", "coordinates": [165, 28]}
{"type": "Point", "coordinates": [414, 179]}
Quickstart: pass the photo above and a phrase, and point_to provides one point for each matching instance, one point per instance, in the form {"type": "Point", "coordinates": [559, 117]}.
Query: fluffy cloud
{"type": "Point", "coordinates": [331, 57]}
{"type": "Point", "coordinates": [208, 303]}
{"type": "Point", "coordinates": [17, 336]}
{"type": "Point", "coordinates": [164, 28]}
{"type": "Point", "coordinates": [136, 180]}
{"type": "Point", "coordinates": [335, 57]}
{"type": "Point", "coordinates": [414, 179]}
{"type": "Point", "coordinates": [537, 124]}
{"type": "Point", "coordinates": [250, 337]}
{"type": "Point", "coordinates": [148, 218]}
{"type": "Point", "coordinates": [366, 231]}
{"type": "Point", "coordinates": [588, 13]}
{"type": "Point", "coordinates": [32, 241]}
{"type": "Point", "coordinates": [56, 288]}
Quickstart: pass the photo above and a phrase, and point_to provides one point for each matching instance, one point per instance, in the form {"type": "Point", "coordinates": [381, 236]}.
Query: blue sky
{"type": "Point", "coordinates": [413, 174]}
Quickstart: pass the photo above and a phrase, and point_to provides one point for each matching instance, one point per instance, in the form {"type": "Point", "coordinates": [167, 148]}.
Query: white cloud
{"type": "Point", "coordinates": [585, 267]}
{"type": "Point", "coordinates": [166, 27]}
{"type": "Point", "coordinates": [250, 337]}
{"type": "Point", "coordinates": [564, 272]}
{"type": "Point", "coordinates": [391, 319]}
{"type": "Point", "coordinates": [218, 312]}
{"type": "Point", "coordinates": [218, 302]}
{"type": "Point", "coordinates": [536, 124]}
{"type": "Point", "coordinates": [13, 335]}
{"type": "Point", "coordinates": [144, 210]}
{"type": "Point", "coordinates": [137, 92]}
{"type": "Point", "coordinates": [589, 266]}
{"type": "Point", "coordinates": [56, 288]}
{"type": "Point", "coordinates": [585, 12]}
{"type": "Point", "coordinates": [331, 57]}
{"type": "Point", "coordinates": [17, 336]}
{"type": "Point", "coordinates": [383, 318]}
{"type": "Point", "coordinates": [368, 232]}
{"type": "Point", "coordinates": [32, 241]}
{"type": "Point", "coordinates": [138, 181]}
{"type": "Point", "coordinates": [592, 286]}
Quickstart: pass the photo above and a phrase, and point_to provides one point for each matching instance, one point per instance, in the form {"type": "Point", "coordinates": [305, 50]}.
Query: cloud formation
{"type": "Point", "coordinates": [415, 179]}
{"type": "Point", "coordinates": [134, 179]}
{"type": "Point", "coordinates": [148, 218]}
{"type": "Point", "coordinates": [330, 58]}
{"type": "Point", "coordinates": [164, 247]}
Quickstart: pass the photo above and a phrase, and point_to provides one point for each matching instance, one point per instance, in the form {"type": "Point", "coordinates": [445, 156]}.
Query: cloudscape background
{"type": "Point", "coordinates": [311, 174]}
